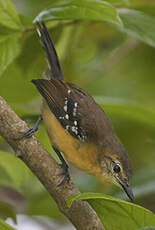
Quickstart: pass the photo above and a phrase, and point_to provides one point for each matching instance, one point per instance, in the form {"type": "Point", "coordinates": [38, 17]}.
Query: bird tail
{"type": "Point", "coordinates": [54, 65]}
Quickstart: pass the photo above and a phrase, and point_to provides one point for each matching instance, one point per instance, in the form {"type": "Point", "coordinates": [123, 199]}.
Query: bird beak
{"type": "Point", "coordinates": [125, 185]}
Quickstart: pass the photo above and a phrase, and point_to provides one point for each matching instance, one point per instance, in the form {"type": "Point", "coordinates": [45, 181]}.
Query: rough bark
{"type": "Point", "coordinates": [46, 169]}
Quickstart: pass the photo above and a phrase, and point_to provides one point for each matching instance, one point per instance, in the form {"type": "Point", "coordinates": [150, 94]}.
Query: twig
{"type": "Point", "coordinates": [46, 169]}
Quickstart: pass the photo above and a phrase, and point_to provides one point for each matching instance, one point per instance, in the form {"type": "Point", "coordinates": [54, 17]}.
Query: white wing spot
{"type": "Point", "coordinates": [75, 123]}
{"type": "Point", "coordinates": [67, 127]}
{"type": "Point", "coordinates": [75, 104]}
{"type": "Point", "coordinates": [66, 101]}
{"type": "Point", "coordinates": [67, 116]}
{"type": "Point", "coordinates": [82, 138]}
{"type": "Point", "coordinates": [74, 112]}
{"type": "Point", "coordinates": [74, 129]}
{"type": "Point", "coordinates": [69, 91]}
{"type": "Point", "coordinates": [65, 108]}
{"type": "Point", "coordinates": [79, 137]}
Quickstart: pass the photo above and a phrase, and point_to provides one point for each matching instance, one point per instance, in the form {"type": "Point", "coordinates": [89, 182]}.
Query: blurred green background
{"type": "Point", "coordinates": [117, 69]}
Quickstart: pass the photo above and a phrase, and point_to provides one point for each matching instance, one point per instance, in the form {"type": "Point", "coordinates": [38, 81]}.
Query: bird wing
{"type": "Point", "coordinates": [75, 109]}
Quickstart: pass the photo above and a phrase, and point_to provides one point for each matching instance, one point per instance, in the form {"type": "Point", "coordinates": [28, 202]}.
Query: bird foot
{"type": "Point", "coordinates": [31, 131]}
{"type": "Point", "coordinates": [65, 173]}
{"type": "Point", "coordinates": [28, 133]}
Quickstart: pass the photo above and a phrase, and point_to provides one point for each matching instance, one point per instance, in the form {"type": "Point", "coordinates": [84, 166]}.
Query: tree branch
{"type": "Point", "coordinates": [46, 169]}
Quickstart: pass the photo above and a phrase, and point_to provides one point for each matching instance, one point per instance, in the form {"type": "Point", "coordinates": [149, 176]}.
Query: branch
{"type": "Point", "coordinates": [47, 170]}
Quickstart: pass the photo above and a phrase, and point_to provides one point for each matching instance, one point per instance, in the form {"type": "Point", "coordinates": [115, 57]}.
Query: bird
{"type": "Point", "coordinates": [77, 126]}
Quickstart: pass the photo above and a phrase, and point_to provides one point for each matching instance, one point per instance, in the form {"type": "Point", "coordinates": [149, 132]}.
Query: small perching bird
{"type": "Point", "coordinates": [78, 127]}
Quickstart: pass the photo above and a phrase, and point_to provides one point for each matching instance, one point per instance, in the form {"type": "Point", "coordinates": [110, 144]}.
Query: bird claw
{"type": "Point", "coordinates": [28, 133]}
{"type": "Point", "coordinates": [31, 131]}
{"type": "Point", "coordinates": [65, 173]}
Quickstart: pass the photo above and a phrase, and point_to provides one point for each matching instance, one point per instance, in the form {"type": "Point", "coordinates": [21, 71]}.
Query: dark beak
{"type": "Point", "coordinates": [125, 185]}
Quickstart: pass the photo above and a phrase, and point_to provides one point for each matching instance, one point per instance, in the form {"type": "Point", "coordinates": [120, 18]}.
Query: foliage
{"type": "Point", "coordinates": [82, 10]}
{"type": "Point", "coordinates": [108, 208]}
{"type": "Point", "coordinates": [107, 48]}
{"type": "Point", "coordinates": [5, 226]}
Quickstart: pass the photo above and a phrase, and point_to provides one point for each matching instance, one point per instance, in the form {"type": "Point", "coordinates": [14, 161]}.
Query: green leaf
{"type": "Point", "coordinates": [147, 228]}
{"type": "Point", "coordinates": [115, 213]}
{"type": "Point", "coordinates": [42, 204]}
{"type": "Point", "coordinates": [14, 167]}
{"type": "Point", "coordinates": [97, 10]}
{"type": "Point", "coordinates": [146, 9]}
{"type": "Point", "coordinates": [7, 210]}
{"type": "Point", "coordinates": [8, 15]}
{"type": "Point", "coordinates": [5, 226]}
{"type": "Point", "coordinates": [127, 110]}
{"type": "Point", "coordinates": [118, 2]}
{"type": "Point", "coordinates": [26, 21]}
{"type": "Point", "coordinates": [138, 25]}
{"type": "Point", "coordinates": [9, 50]}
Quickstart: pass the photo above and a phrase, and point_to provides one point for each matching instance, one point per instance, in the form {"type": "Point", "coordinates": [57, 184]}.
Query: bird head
{"type": "Point", "coordinates": [116, 166]}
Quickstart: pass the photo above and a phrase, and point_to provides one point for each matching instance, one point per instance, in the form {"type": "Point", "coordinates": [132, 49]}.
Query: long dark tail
{"type": "Point", "coordinates": [48, 45]}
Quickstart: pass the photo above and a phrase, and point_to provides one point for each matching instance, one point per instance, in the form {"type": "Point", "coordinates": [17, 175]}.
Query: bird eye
{"type": "Point", "coordinates": [116, 169]}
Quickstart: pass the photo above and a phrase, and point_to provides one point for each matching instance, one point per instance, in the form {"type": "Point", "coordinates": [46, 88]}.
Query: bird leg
{"type": "Point", "coordinates": [64, 166]}
{"type": "Point", "coordinates": [31, 130]}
